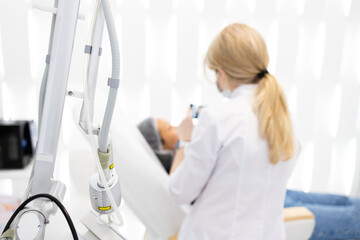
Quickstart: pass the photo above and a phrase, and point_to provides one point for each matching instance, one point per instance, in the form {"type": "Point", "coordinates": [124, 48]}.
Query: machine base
{"type": "Point", "coordinates": [100, 231]}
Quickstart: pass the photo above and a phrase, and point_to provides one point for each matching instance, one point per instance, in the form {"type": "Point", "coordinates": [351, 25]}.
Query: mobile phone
{"type": "Point", "coordinates": [195, 110]}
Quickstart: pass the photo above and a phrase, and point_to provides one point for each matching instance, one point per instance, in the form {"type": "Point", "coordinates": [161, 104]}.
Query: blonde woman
{"type": "Point", "coordinates": [241, 153]}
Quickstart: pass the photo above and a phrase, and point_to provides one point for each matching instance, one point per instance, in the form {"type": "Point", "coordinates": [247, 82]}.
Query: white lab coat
{"type": "Point", "coordinates": [239, 193]}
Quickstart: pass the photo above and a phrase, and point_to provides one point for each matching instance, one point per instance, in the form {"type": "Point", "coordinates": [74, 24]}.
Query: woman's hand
{"type": "Point", "coordinates": [186, 127]}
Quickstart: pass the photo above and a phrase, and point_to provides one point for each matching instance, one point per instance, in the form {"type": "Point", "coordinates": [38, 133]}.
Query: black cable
{"type": "Point", "coordinates": [52, 198]}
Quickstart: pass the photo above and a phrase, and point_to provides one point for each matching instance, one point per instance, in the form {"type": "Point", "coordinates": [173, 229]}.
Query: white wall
{"type": "Point", "coordinates": [314, 49]}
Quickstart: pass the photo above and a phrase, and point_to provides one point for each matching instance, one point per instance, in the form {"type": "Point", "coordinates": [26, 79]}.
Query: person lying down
{"type": "Point", "coordinates": [336, 216]}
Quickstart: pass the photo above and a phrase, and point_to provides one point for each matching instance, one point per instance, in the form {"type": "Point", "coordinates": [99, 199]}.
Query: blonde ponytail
{"type": "Point", "coordinates": [274, 120]}
{"type": "Point", "coordinates": [241, 52]}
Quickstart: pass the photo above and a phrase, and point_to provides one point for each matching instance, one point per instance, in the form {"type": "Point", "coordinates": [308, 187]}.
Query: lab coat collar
{"type": "Point", "coordinates": [243, 88]}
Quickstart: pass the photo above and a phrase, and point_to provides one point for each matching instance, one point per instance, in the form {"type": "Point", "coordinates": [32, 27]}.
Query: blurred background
{"type": "Point", "coordinates": [314, 49]}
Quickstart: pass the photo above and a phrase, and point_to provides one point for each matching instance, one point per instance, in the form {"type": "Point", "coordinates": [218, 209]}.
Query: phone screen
{"type": "Point", "coordinates": [194, 111]}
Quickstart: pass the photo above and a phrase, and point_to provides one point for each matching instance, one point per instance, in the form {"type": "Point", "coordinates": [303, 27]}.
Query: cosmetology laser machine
{"type": "Point", "coordinates": [44, 194]}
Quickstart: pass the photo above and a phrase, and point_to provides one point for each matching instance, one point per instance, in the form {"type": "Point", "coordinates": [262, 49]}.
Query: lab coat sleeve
{"type": "Point", "coordinates": [190, 178]}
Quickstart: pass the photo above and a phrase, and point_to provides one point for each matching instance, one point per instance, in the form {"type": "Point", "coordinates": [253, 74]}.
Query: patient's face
{"type": "Point", "coordinates": [168, 134]}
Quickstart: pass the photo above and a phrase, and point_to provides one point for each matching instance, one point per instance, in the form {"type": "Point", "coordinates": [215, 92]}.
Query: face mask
{"type": "Point", "coordinates": [227, 94]}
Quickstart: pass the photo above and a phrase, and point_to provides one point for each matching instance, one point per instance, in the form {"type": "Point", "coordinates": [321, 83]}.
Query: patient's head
{"type": "Point", "coordinates": [168, 134]}
{"type": "Point", "coordinates": [161, 137]}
